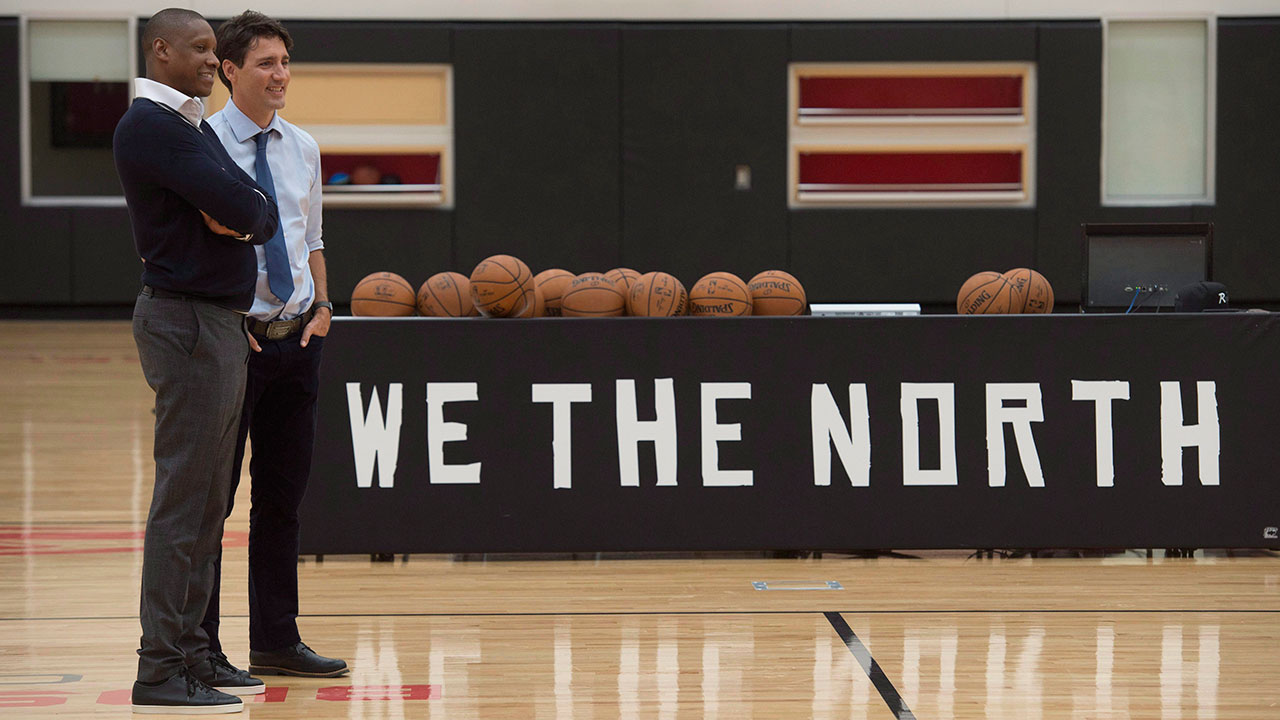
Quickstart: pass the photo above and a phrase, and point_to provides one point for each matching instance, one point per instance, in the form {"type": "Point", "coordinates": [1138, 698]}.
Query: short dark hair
{"type": "Point", "coordinates": [239, 34]}
{"type": "Point", "coordinates": [165, 22]}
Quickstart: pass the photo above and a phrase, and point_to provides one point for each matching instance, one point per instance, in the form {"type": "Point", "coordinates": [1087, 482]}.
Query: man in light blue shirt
{"type": "Point", "coordinates": [287, 324]}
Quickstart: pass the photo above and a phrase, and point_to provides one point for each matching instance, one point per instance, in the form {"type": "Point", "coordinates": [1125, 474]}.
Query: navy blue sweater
{"type": "Point", "coordinates": [170, 172]}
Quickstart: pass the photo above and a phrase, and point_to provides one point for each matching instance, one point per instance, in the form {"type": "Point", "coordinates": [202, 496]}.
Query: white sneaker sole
{"type": "Point", "coordinates": [188, 709]}
{"type": "Point", "coordinates": [242, 689]}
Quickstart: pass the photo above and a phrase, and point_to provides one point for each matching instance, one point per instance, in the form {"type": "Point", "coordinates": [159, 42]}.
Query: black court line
{"type": "Point", "coordinates": [879, 680]}
{"type": "Point", "coordinates": [604, 613]}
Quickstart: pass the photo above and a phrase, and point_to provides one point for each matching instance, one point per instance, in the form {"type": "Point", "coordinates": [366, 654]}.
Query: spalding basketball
{"type": "Point", "coordinates": [383, 294]}
{"type": "Point", "coordinates": [984, 293]}
{"type": "Point", "coordinates": [1031, 292]}
{"type": "Point", "coordinates": [623, 277]}
{"type": "Point", "coordinates": [774, 292]}
{"type": "Point", "coordinates": [552, 283]}
{"type": "Point", "coordinates": [502, 286]}
{"type": "Point", "coordinates": [446, 294]}
{"type": "Point", "coordinates": [592, 295]}
{"type": "Point", "coordinates": [720, 294]}
{"type": "Point", "coordinates": [657, 294]}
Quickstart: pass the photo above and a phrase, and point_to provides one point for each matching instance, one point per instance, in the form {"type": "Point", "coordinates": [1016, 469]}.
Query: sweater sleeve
{"type": "Point", "coordinates": [228, 196]}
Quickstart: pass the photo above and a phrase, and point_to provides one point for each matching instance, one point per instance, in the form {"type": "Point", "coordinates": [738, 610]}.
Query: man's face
{"type": "Point", "coordinates": [258, 87]}
{"type": "Point", "coordinates": [192, 64]}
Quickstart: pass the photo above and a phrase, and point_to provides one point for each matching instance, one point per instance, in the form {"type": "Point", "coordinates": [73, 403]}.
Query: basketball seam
{"type": "Point", "coordinates": [457, 290]}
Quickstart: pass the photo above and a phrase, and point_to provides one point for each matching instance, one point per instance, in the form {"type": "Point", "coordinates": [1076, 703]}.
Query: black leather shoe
{"type": "Point", "coordinates": [298, 660]}
{"type": "Point", "coordinates": [218, 673]}
{"type": "Point", "coordinates": [182, 694]}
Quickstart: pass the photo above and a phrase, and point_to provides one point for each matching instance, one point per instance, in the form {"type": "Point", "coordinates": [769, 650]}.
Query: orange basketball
{"type": "Point", "coordinates": [720, 294]}
{"type": "Point", "coordinates": [623, 277]}
{"type": "Point", "coordinates": [552, 283]}
{"type": "Point", "coordinates": [1031, 292]}
{"type": "Point", "coordinates": [383, 294]}
{"type": "Point", "coordinates": [592, 295]}
{"type": "Point", "coordinates": [538, 308]}
{"type": "Point", "coordinates": [446, 294]}
{"type": "Point", "coordinates": [502, 286]}
{"type": "Point", "coordinates": [657, 294]}
{"type": "Point", "coordinates": [984, 293]}
{"type": "Point", "coordinates": [774, 292]}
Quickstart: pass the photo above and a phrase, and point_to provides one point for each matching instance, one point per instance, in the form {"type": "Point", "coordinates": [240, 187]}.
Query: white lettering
{"type": "Point", "coordinates": [1174, 435]}
{"type": "Point", "coordinates": [1102, 393]}
{"type": "Point", "coordinates": [440, 432]}
{"type": "Point", "coordinates": [1020, 418]}
{"type": "Point", "coordinates": [660, 431]}
{"type": "Point", "coordinates": [713, 433]}
{"type": "Point", "coordinates": [853, 442]}
{"type": "Point", "coordinates": [561, 396]}
{"type": "Point", "coordinates": [375, 439]}
{"type": "Point", "coordinates": [945, 395]}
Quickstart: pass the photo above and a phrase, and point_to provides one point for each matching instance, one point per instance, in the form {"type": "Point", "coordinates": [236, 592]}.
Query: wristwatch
{"type": "Point", "coordinates": [322, 304]}
{"type": "Point", "coordinates": [244, 238]}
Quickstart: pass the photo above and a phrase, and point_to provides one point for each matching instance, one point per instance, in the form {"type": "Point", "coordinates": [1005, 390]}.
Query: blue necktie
{"type": "Point", "coordinates": [279, 275]}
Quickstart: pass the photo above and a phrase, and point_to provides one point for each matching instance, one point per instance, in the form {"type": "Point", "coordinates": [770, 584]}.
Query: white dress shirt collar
{"type": "Point", "coordinates": [190, 108]}
{"type": "Point", "coordinates": [242, 128]}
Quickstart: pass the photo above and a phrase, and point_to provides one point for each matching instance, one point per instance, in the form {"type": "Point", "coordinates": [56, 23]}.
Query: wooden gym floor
{"type": "Point", "coordinates": [934, 635]}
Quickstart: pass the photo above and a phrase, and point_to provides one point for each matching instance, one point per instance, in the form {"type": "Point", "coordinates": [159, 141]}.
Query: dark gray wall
{"type": "Point", "coordinates": [536, 145]}
{"type": "Point", "coordinates": [594, 145]}
{"type": "Point", "coordinates": [692, 111]}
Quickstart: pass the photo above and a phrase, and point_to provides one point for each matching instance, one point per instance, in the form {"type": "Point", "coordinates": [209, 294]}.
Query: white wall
{"type": "Point", "coordinates": [659, 9]}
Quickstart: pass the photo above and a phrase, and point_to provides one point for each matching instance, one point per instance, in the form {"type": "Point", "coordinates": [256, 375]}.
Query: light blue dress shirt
{"type": "Point", "coordinates": [295, 168]}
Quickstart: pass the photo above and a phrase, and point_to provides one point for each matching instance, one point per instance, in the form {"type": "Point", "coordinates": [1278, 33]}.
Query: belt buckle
{"type": "Point", "coordinates": [279, 330]}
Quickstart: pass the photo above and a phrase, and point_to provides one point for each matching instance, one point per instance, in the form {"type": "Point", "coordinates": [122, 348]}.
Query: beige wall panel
{"type": "Point", "coordinates": [322, 94]}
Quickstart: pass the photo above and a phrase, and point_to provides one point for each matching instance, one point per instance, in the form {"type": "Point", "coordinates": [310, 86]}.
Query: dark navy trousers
{"type": "Point", "coordinates": [279, 419]}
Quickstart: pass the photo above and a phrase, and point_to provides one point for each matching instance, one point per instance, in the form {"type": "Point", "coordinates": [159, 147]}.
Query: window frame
{"type": "Point", "coordinates": [1210, 115]}
{"type": "Point", "coordinates": [24, 107]}
{"type": "Point", "coordinates": [938, 133]}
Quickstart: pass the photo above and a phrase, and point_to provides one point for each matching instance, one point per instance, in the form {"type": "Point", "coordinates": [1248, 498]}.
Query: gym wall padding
{"type": "Point", "coordinates": [536, 142]}
{"type": "Point", "coordinates": [698, 101]}
{"type": "Point", "coordinates": [1247, 213]}
{"type": "Point", "coordinates": [592, 145]}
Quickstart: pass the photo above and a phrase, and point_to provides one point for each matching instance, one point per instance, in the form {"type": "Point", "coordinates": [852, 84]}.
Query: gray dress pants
{"type": "Point", "coordinates": [194, 357]}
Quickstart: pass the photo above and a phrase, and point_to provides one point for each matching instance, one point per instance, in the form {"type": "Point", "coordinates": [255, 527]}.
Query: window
{"type": "Point", "coordinates": [385, 131]}
{"type": "Point", "coordinates": [76, 87]}
{"type": "Point", "coordinates": [1158, 110]}
{"type": "Point", "coordinates": [920, 134]}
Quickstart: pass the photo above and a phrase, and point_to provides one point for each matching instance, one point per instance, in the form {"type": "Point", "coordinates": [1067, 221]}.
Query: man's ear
{"type": "Point", "coordinates": [160, 49]}
{"type": "Point", "coordinates": [229, 69]}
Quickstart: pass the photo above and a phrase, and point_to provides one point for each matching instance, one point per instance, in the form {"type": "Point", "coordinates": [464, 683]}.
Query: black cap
{"type": "Point", "coordinates": [1202, 297]}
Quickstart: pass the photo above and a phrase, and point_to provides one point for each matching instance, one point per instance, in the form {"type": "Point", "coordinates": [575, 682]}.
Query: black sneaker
{"type": "Point", "coordinates": [182, 694]}
{"type": "Point", "coordinates": [218, 673]}
{"type": "Point", "coordinates": [298, 660]}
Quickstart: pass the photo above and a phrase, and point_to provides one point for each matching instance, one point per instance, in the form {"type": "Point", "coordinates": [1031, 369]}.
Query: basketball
{"type": "Point", "coordinates": [592, 295]}
{"type": "Point", "coordinates": [501, 286]}
{"type": "Point", "coordinates": [720, 294]}
{"type": "Point", "coordinates": [623, 278]}
{"type": "Point", "coordinates": [538, 308]}
{"type": "Point", "coordinates": [383, 294]}
{"type": "Point", "coordinates": [446, 294]}
{"type": "Point", "coordinates": [657, 294]}
{"type": "Point", "coordinates": [552, 283]}
{"type": "Point", "coordinates": [984, 293]}
{"type": "Point", "coordinates": [1031, 292]}
{"type": "Point", "coordinates": [774, 292]}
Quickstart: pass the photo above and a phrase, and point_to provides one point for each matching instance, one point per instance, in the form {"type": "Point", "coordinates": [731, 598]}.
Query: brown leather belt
{"type": "Point", "coordinates": [280, 329]}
